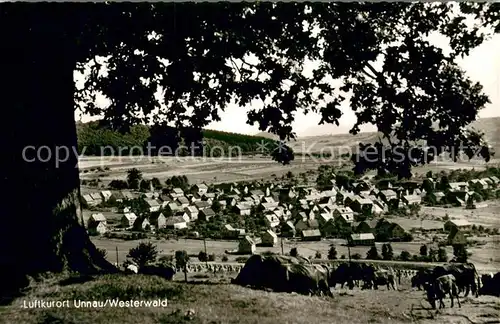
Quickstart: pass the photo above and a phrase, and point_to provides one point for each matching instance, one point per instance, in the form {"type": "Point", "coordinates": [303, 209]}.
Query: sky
{"type": "Point", "coordinates": [482, 65]}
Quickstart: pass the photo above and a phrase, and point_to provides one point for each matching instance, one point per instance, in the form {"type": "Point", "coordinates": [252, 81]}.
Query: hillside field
{"type": "Point", "coordinates": [215, 301]}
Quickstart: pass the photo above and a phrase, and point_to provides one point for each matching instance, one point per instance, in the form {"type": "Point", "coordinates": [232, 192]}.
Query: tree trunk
{"type": "Point", "coordinates": [42, 226]}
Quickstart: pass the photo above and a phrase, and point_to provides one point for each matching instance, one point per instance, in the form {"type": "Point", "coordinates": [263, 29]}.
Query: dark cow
{"type": "Point", "coordinates": [421, 277]}
{"type": "Point", "coordinates": [351, 273]}
{"type": "Point", "coordinates": [490, 285]}
{"type": "Point", "coordinates": [381, 278]}
{"type": "Point", "coordinates": [467, 278]}
{"type": "Point", "coordinates": [437, 290]}
{"type": "Point", "coordinates": [308, 279]}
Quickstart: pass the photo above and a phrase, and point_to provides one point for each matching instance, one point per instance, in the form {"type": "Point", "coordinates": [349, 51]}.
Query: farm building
{"type": "Point", "coordinates": [288, 230]}
{"type": "Point", "coordinates": [364, 239]}
{"type": "Point", "coordinates": [97, 228]}
{"type": "Point", "coordinates": [206, 214]}
{"type": "Point", "coordinates": [271, 220]}
{"type": "Point", "coordinates": [192, 212]}
{"type": "Point", "coordinates": [412, 200]}
{"type": "Point", "coordinates": [158, 220]}
{"type": "Point", "coordinates": [97, 218]}
{"type": "Point", "coordinates": [96, 196]}
{"type": "Point", "coordinates": [128, 220]}
{"type": "Point", "coordinates": [141, 224]}
{"type": "Point", "coordinates": [153, 205]}
{"type": "Point", "coordinates": [243, 209]}
{"type": "Point", "coordinates": [461, 224]}
{"type": "Point", "coordinates": [311, 235]}
{"type": "Point", "coordinates": [230, 232]}
{"type": "Point", "coordinates": [456, 236]}
{"type": "Point", "coordinates": [183, 201]}
{"type": "Point", "coordinates": [202, 204]}
{"type": "Point", "coordinates": [118, 196]}
{"type": "Point", "coordinates": [269, 238]}
{"type": "Point", "coordinates": [176, 192]}
{"type": "Point", "coordinates": [106, 194]}
{"type": "Point", "coordinates": [388, 195]}
{"type": "Point", "coordinates": [172, 207]}
{"type": "Point", "coordinates": [247, 245]}
{"type": "Point", "coordinates": [127, 195]}
{"type": "Point", "coordinates": [175, 222]}
{"type": "Point", "coordinates": [361, 205]}
{"type": "Point", "coordinates": [89, 200]}
{"type": "Point", "coordinates": [200, 189]}
{"type": "Point", "coordinates": [364, 226]}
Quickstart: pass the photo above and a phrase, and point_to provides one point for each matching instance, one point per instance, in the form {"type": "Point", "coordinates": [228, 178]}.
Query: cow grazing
{"type": "Point", "coordinates": [351, 273]}
{"type": "Point", "coordinates": [381, 278]}
{"type": "Point", "coordinates": [439, 288]}
{"type": "Point", "coordinates": [490, 284]}
{"type": "Point", "coordinates": [467, 278]}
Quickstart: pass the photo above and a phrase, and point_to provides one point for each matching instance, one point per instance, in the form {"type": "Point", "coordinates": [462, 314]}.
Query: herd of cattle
{"type": "Point", "coordinates": [295, 274]}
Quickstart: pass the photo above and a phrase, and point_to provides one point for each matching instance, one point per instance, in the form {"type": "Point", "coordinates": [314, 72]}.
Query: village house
{"type": "Point", "coordinates": [461, 224]}
{"type": "Point", "coordinates": [438, 196]}
{"type": "Point", "coordinates": [287, 229]}
{"type": "Point", "coordinates": [269, 206]}
{"type": "Point", "coordinates": [311, 235]}
{"type": "Point", "coordinates": [459, 186]}
{"type": "Point", "coordinates": [97, 228]}
{"type": "Point", "coordinates": [88, 200]}
{"type": "Point", "coordinates": [361, 239]}
{"type": "Point", "coordinates": [388, 195]}
{"type": "Point", "coordinates": [158, 220]}
{"type": "Point", "coordinates": [97, 218]}
{"type": "Point", "coordinates": [456, 236]}
{"type": "Point", "coordinates": [247, 245]}
{"type": "Point", "coordinates": [176, 222]}
{"type": "Point", "coordinates": [271, 220]}
{"type": "Point", "coordinates": [141, 224]}
{"type": "Point", "coordinates": [258, 193]}
{"type": "Point", "coordinates": [495, 180]}
{"type": "Point", "coordinates": [200, 189]}
{"type": "Point", "coordinates": [153, 205]}
{"type": "Point", "coordinates": [192, 212]}
{"type": "Point", "coordinates": [361, 205]}
{"type": "Point", "coordinates": [106, 194]}
{"type": "Point", "coordinates": [182, 201]}
{"type": "Point", "coordinates": [96, 197]}
{"type": "Point", "coordinates": [229, 232]}
{"type": "Point", "coordinates": [478, 183]}
{"type": "Point", "coordinates": [306, 224]}
{"type": "Point", "coordinates": [176, 192]}
{"type": "Point", "coordinates": [323, 218]}
{"type": "Point", "coordinates": [206, 214]}
{"type": "Point", "coordinates": [344, 212]}
{"type": "Point", "coordinates": [172, 207]}
{"type": "Point", "coordinates": [243, 209]}
{"type": "Point", "coordinates": [128, 195]}
{"type": "Point", "coordinates": [202, 205]}
{"type": "Point", "coordinates": [182, 214]}
{"type": "Point", "coordinates": [366, 226]}
{"type": "Point", "coordinates": [269, 238]}
{"type": "Point", "coordinates": [118, 196]}
{"type": "Point", "coordinates": [128, 220]}
{"type": "Point", "coordinates": [411, 200]}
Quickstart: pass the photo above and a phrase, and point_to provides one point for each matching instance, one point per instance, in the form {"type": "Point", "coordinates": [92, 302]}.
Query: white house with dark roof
{"type": "Point", "coordinates": [128, 220]}
{"type": "Point", "coordinates": [271, 220]}
{"type": "Point", "coordinates": [243, 209]}
{"type": "Point", "coordinates": [153, 205]}
{"type": "Point", "coordinates": [176, 222]}
{"type": "Point", "coordinates": [192, 212]}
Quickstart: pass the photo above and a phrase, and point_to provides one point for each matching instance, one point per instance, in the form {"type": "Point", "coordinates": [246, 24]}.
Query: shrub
{"type": "Point", "coordinates": [332, 253]}
{"type": "Point", "coordinates": [442, 256]}
{"type": "Point", "coordinates": [372, 253]}
{"type": "Point", "coordinates": [224, 258]}
{"type": "Point", "coordinates": [405, 256]}
{"type": "Point", "coordinates": [356, 256]}
{"type": "Point", "coordinates": [202, 256]}
{"type": "Point", "coordinates": [242, 259]}
{"type": "Point", "coordinates": [342, 256]}
{"type": "Point", "coordinates": [317, 255]}
{"type": "Point", "coordinates": [211, 257]}
{"type": "Point", "coordinates": [294, 252]}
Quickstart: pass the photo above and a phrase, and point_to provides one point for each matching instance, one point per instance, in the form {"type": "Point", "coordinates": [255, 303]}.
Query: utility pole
{"type": "Point", "coordinates": [282, 250]}
{"type": "Point", "coordinates": [206, 254]}
{"type": "Point", "coordinates": [349, 251]}
{"type": "Point", "coordinates": [117, 262]}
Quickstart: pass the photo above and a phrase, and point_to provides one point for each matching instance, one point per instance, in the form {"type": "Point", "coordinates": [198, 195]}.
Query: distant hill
{"type": "Point", "coordinates": [490, 126]}
{"type": "Point", "coordinates": [267, 135]}
{"type": "Point", "coordinates": [94, 138]}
